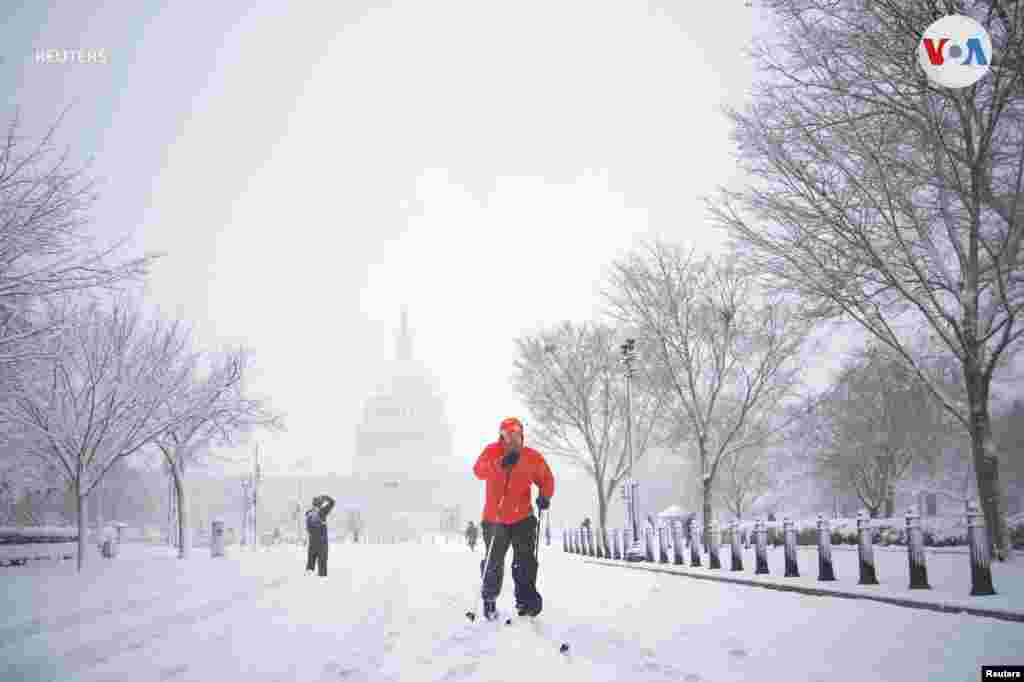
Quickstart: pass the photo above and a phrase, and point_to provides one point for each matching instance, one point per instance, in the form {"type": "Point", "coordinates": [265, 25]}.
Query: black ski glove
{"type": "Point", "coordinates": [543, 502]}
{"type": "Point", "coordinates": [510, 459]}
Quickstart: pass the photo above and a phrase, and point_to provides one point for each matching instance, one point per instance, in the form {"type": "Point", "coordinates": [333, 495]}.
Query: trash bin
{"type": "Point", "coordinates": [217, 538]}
{"type": "Point", "coordinates": [105, 543]}
{"type": "Point", "coordinates": [118, 527]}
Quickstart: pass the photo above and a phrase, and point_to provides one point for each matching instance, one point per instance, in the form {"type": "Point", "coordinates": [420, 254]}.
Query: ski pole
{"type": "Point", "coordinates": [536, 544]}
{"type": "Point", "coordinates": [494, 535]}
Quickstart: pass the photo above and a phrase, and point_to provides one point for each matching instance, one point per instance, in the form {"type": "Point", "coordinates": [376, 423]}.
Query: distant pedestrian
{"type": "Point", "coordinates": [471, 533]}
{"type": "Point", "coordinates": [316, 526]}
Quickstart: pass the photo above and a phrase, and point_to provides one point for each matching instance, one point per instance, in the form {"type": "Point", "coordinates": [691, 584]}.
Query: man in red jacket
{"type": "Point", "coordinates": [510, 468]}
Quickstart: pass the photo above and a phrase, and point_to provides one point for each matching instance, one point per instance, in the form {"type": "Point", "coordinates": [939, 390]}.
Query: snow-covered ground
{"type": "Point", "coordinates": [395, 612]}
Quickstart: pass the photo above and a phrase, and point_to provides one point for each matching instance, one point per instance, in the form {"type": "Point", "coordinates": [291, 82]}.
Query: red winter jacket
{"type": "Point", "coordinates": [508, 492]}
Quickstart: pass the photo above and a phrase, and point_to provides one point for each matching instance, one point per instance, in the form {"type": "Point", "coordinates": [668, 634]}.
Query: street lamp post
{"type": "Point", "coordinates": [257, 478]}
{"type": "Point", "coordinates": [246, 483]}
{"type": "Point", "coordinates": [631, 493]}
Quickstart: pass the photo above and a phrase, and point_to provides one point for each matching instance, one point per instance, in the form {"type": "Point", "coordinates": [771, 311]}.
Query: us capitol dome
{"type": "Point", "coordinates": [403, 461]}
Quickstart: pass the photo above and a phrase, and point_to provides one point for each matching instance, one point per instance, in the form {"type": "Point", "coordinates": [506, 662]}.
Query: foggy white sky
{"type": "Point", "coordinates": [307, 172]}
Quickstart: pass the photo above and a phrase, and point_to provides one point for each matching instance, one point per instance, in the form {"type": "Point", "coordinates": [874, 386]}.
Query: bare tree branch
{"type": "Point", "coordinates": [727, 358]}
{"type": "Point", "coordinates": [878, 197]}
{"type": "Point", "coordinates": [571, 383]}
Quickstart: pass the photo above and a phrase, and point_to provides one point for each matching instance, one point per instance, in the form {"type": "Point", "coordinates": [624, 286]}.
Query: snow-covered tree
{"type": "Point", "coordinates": [102, 397]}
{"type": "Point", "coordinates": [745, 478]}
{"type": "Point", "coordinates": [45, 247]}
{"type": "Point", "coordinates": [880, 197]}
{"type": "Point", "coordinates": [571, 380]}
{"type": "Point", "coordinates": [215, 411]}
{"type": "Point", "coordinates": [728, 359]}
{"type": "Point", "coordinates": [878, 420]}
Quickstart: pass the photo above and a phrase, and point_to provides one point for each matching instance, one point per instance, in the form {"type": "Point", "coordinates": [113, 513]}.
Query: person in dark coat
{"type": "Point", "coordinates": [471, 535]}
{"type": "Point", "coordinates": [316, 526]}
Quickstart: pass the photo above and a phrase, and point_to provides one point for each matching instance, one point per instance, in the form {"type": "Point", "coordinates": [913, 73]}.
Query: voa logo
{"type": "Point", "coordinates": [955, 51]}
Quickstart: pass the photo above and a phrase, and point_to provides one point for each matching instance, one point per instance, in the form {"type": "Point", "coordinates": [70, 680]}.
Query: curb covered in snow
{"type": "Point", "coordinates": [944, 607]}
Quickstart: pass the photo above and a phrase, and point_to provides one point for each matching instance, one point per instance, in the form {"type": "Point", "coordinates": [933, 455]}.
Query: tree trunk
{"type": "Point", "coordinates": [100, 520]}
{"type": "Point", "coordinates": [184, 529]}
{"type": "Point", "coordinates": [83, 523]}
{"type": "Point", "coordinates": [602, 508]}
{"type": "Point", "coordinates": [172, 503]}
{"type": "Point", "coordinates": [706, 510]}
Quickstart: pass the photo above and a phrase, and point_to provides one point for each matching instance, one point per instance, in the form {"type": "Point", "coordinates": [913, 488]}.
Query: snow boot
{"type": "Point", "coordinates": [490, 609]}
{"type": "Point", "coordinates": [532, 609]}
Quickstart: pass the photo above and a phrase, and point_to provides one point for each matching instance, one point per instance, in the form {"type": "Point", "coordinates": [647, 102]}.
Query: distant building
{"type": "Point", "coordinates": [403, 461]}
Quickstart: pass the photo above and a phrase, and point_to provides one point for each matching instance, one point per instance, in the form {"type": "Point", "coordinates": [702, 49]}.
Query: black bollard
{"type": "Point", "coordinates": [649, 543]}
{"type": "Point", "coordinates": [789, 538]}
{"type": "Point", "coordinates": [734, 537]}
{"type": "Point", "coordinates": [714, 542]}
{"type": "Point", "coordinates": [915, 552]}
{"type": "Point", "coordinates": [981, 569]}
{"type": "Point", "coordinates": [865, 551]}
{"type": "Point", "coordinates": [825, 569]}
{"type": "Point", "coordinates": [695, 533]}
{"type": "Point", "coordinates": [677, 542]}
{"type": "Point", "coordinates": [761, 547]}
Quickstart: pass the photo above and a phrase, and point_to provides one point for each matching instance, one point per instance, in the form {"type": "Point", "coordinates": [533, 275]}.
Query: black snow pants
{"type": "Point", "coordinates": [317, 555]}
{"type": "Point", "coordinates": [522, 536]}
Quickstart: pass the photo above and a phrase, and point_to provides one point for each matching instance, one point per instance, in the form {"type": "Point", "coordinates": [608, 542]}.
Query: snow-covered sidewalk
{"type": "Point", "coordinates": [949, 576]}
{"type": "Point", "coordinates": [395, 612]}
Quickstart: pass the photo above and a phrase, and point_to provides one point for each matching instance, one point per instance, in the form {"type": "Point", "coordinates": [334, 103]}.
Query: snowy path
{"type": "Point", "coordinates": [396, 613]}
